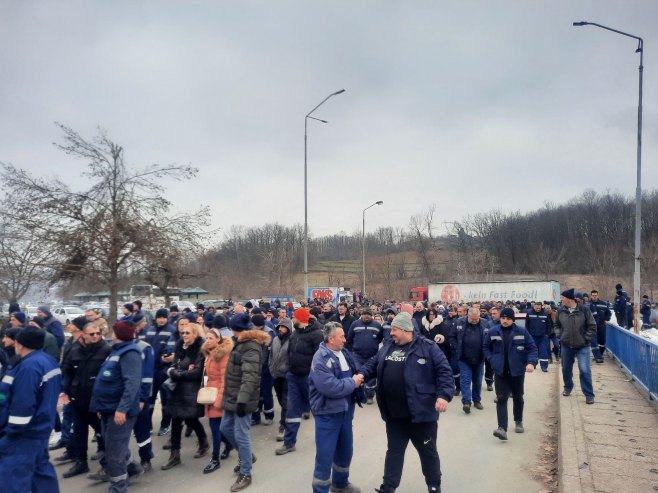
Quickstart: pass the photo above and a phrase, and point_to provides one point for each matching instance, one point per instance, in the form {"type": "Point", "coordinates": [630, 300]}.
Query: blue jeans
{"type": "Point", "coordinates": [542, 344]}
{"type": "Point", "coordinates": [298, 403]}
{"type": "Point", "coordinates": [333, 450]}
{"type": "Point", "coordinates": [471, 374]}
{"type": "Point", "coordinates": [584, 366]}
{"type": "Point", "coordinates": [237, 431]}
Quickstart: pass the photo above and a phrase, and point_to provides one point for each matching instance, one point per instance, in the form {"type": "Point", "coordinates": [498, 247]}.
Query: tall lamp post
{"type": "Point", "coordinates": [306, 183]}
{"type": "Point", "coordinates": [638, 189]}
{"type": "Point", "coordinates": [363, 245]}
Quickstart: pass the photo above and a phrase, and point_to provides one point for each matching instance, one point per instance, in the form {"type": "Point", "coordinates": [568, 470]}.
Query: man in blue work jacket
{"type": "Point", "coordinates": [512, 352]}
{"type": "Point", "coordinates": [116, 397]}
{"type": "Point", "coordinates": [536, 321]}
{"type": "Point", "coordinates": [28, 406]}
{"type": "Point", "coordinates": [333, 384]}
{"type": "Point", "coordinates": [415, 385]}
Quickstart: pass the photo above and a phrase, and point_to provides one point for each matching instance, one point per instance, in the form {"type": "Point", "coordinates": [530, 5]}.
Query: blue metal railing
{"type": "Point", "coordinates": [637, 355]}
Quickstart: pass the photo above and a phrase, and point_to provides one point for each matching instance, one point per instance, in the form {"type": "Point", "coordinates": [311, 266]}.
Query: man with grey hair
{"type": "Point", "coordinates": [468, 339]}
{"type": "Point", "coordinates": [416, 384]}
{"type": "Point", "coordinates": [333, 384]}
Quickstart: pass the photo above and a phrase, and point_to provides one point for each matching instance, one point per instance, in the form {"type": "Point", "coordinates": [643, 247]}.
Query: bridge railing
{"type": "Point", "coordinates": [637, 355]}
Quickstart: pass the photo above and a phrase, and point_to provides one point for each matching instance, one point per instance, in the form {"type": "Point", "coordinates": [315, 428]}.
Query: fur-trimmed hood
{"type": "Point", "coordinates": [258, 336]}
{"type": "Point", "coordinates": [430, 325]}
{"type": "Point", "coordinates": [223, 348]}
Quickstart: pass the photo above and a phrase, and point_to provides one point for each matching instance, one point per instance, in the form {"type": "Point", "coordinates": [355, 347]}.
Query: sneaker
{"type": "Point", "coordinates": [600, 360]}
{"type": "Point", "coordinates": [490, 387]}
{"type": "Point", "coordinates": [500, 433]}
{"type": "Point", "coordinates": [349, 488]}
{"type": "Point", "coordinates": [306, 415]}
{"type": "Point", "coordinates": [241, 483]}
{"type": "Point", "coordinates": [566, 392]}
{"type": "Point", "coordinates": [267, 422]}
{"type": "Point", "coordinates": [467, 408]}
{"type": "Point", "coordinates": [519, 427]}
{"type": "Point", "coordinates": [478, 405]}
{"type": "Point", "coordinates": [54, 438]}
{"type": "Point", "coordinates": [164, 430]}
{"type": "Point", "coordinates": [285, 449]}
{"type": "Point", "coordinates": [280, 435]}
{"type": "Point", "coordinates": [545, 370]}
{"type": "Point", "coordinates": [589, 400]}
{"type": "Point", "coordinates": [100, 475]}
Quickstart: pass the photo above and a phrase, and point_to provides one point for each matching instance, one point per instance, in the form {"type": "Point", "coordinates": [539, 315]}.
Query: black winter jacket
{"type": "Point", "coordinates": [303, 345]}
{"type": "Point", "coordinates": [182, 401]}
{"type": "Point", "coordinates": [80, 369]}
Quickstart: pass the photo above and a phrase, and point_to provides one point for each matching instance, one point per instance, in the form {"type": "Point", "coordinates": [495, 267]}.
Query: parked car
{"type": "Point", "coordinates": [67, 313]}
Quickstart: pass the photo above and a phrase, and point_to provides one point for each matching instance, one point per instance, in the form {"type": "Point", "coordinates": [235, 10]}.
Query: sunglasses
{"type": "Point", "coordinates": [94, 334]}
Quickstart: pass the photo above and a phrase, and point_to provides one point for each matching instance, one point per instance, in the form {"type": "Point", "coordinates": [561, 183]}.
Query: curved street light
{"type": "Point", "coordinates": [638, 188]}
{"type": "Point", "coordinates": [306, 118]}
{"type": "Point", "coordinates": [363, 246]}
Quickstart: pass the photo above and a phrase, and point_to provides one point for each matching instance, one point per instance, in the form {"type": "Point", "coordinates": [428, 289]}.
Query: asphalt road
{"type": "Point", "coordinates": [472, 460]}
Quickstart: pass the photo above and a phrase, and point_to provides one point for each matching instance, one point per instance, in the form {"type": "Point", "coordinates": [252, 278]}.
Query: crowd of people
{"type": "Point", "coordinates": [227, 365]}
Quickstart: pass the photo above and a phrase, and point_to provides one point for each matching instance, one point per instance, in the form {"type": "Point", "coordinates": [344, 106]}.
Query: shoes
{"type": "Point", "coordinates": [100, 475]}
{"type": "Point", "coordinates": [284, 449]}
{"type": "Point", "coordinates": [467, 408]}
{"type": "Point", "coordinates": [280, 435]}
{"type": "Point", "coordinates": [490, 387]}
{"type": "Point", "coordinates": [370, 401]}
{"type": "Point", "coordinates": [519, 427]}
{"type": "Point", "coordinates": [54, 438]}
{"type": "Point", "coordinates": [164, 430]}
{"type": "Point", "coordinates": [212, 466]}
{"type": "Point", "coordinates": [349, 488]}
{"type": "Point", "coordinates": [545, 370]}
{"type": "Point", "coordinates": [589, 400]}
{"type": "Point", "coordinates": [241, 483]}
{"type": "Point", "coordinates": [188, 431]}
{"type": "Point", "coordinates": [134, 469]}
{"type": "Point", "coordinates": [174, 460]}
{"type": "Point", "coordinates": [167, 446]}
{"type": "Point", "coordinates": [95, 456]}
{"type": "Point", "coordinates": [496, 400]}
{"type": "Point", "coordinates": [57, 445]}
{"type": "Point", "coordinates": [385, 489]}
{"type": "Point", "coordinates": [500, 433]}
{"type": "Point", "coordinates": [267, 422]}
{"type": "Point", "coordinates": [255, 422]}
{"type": "Point", "coordinates": [227, 451]}
{"type": "Point", "coordinates": [64, 458]}
{"type": "Point", "coordinates": [236, 469]}
{"type": "Point", "coordinates": [203, 448]}
{"type": "Point", "coordinates": [80, 467]}
{"type": "Point", "coordinates": [478, 405]}
{"type": "Point", "coordinates": [566, 392]}
{"type": "Point", "coordinates": [146, 465]}
{"type": "Point", "coordinates": [306, 415]}
{"type": "Point", "coordinates": [600, 360]}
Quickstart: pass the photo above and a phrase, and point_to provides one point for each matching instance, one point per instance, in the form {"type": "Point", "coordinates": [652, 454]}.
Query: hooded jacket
{"type": "Point", "coordinates": [243, 371]}
{"type": "Point", "coordinates": [216, 362]}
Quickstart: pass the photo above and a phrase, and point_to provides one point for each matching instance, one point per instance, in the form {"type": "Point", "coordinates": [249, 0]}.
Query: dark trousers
{"type": "Point", "coordinates": [281, 390]}
{"type": "Point", "coordinates": [298, 403]}
{"type": "Point", "coordinates": [423, 437]}
{"type": "Point", "coordinates": [158, 379]}
{"type": "Point", "coordinates": [117, 452]}
{"type": "Point", "coordinates": [143, 434]}
{"type": "Point", "coordinates": [25, 466]}
{"type": "Point", "coordinates": [217, 436]}
{"type": "Point", "coordinates": [266, 401]}
{"type": "Point", "coordinates": [334, 443]}
{"type": "Point", "coordinates": [505, 386]}
{"type": "Point", "coordinates": [488, 373]}
{"type": "Point", "coordinates": [82, 420]}
{"type": "Point", "coordinates": [177, 430]}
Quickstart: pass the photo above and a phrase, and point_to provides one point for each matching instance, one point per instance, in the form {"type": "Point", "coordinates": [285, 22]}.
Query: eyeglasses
{"type": "Point", "coordinates": [94, 334]}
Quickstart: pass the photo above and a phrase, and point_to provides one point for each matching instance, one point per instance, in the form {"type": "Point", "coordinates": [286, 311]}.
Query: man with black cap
{"type": "Point", "coordinates": [621, 299]}
{"type": "Point", "coordinates": [175, 315]}
{"type": "Point", "coordinates": [9, 347]}
{"type": "Point", "coordinates": [79, 371]}
{"type": "Point", "coordinates": [363, 341]}
{"type": "Point", "coordinates": [52, 325]}
{"type": "Point", "coordinates": [116, 398]}
{"type": "Point", "coordinates": [415, 385]}
{"type": "Point", "coordinates": [29, 393]}
{"type": "Point", "coordinates": [158, 337]}
{"type": "Point", "coordinates": [511, 351]}
{"type": "Point", "coordinates": [576, 327]}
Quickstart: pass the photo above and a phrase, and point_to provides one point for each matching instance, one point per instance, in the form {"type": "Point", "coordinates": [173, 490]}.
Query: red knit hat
{"type": "Point", "coordinates": [301, 314]}
{"type": "Point", "coordinates": [124, 330]}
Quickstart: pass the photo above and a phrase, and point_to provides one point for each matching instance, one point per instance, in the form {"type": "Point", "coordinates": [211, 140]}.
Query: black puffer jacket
{"type": "Point", "coordinates": [242, 385]}
{"type": "Point", "coordinates": [80, 369]}
{"type": "Point", "coordinates": [182, 401]}
{"type": "Point", "coordinates": [304, 342]}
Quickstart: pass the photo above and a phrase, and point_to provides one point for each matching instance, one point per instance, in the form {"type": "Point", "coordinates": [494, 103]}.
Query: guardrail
{"type": "Point", "coordinates": [637, 355]}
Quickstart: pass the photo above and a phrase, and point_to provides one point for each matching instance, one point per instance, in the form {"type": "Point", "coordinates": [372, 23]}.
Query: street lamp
{"type": "Point", "coordinates": [306, 183]}
{"type": "Point", "coordinates": [363, 246]}
{"type": "Point", "coordinates": [638, 189]}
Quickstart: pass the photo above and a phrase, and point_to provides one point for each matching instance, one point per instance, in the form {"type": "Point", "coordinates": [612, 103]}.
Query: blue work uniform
{"type": "Point", "coordinates": [537, 325]}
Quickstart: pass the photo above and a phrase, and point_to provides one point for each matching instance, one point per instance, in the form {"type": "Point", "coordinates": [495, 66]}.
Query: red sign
{"type": "Point", "coordinates": [323, 294]}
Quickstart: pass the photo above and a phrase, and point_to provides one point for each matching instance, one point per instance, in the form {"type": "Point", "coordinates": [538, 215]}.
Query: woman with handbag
{"type": "Point", "coordinates": [217, 350]}
{"type": "Point", "coordinates": [186, 371]}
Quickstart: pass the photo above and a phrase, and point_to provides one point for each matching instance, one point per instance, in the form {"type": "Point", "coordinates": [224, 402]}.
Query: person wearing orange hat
{"type": "Point", "coordinates": [304, 342]}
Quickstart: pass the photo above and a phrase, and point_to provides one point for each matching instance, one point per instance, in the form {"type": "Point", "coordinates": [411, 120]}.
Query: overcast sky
{"type": "Point", "coordinates": [467, 105]}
